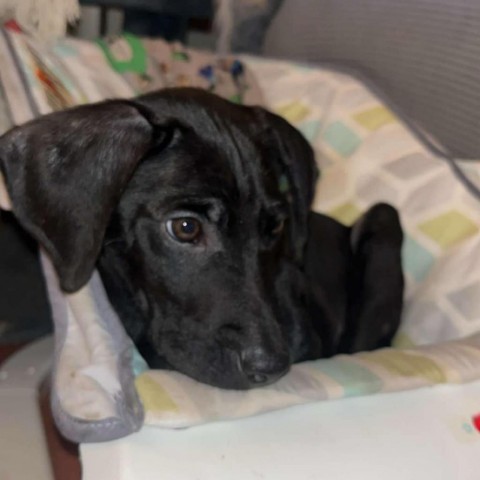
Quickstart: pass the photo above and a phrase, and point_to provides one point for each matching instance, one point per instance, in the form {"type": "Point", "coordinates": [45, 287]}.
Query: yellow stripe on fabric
{"type": "Point", "coordinates": [404, 364]}
{"type": "Point", "coordinates": [375, 118]}
{"type": "Point", "coordinates": [347, 213]}
{"type": "Point", "coordinates": [449, 228]}
{"type": "Point", "coordinates": [153, 395]}
{"type": "Point", "coordinates": [293, 112]}
{"type": "Point", "coordinates": [402, 340]}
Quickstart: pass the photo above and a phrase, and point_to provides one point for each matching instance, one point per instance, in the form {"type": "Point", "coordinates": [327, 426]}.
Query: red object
{"type": "Point", "coordinates": [476, 422]}
{"type": "Point", "coordinates": [13, 25]}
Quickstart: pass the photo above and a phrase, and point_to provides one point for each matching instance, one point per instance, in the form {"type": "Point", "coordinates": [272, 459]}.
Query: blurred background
{"type": "Point", "coordinates": [187, 21]}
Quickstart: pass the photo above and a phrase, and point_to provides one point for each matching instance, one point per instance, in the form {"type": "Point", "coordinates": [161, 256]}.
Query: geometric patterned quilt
{"type": "Point", "coordinates": [367, 155]}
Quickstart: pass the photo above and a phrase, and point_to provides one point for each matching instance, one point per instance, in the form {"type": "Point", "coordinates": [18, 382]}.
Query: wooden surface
{"type": "Point", "coordinates": [64, 455]}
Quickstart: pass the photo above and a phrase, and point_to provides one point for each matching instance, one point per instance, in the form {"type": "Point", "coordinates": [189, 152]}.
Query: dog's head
{"type": "Point", "coordinates": [195, 210]}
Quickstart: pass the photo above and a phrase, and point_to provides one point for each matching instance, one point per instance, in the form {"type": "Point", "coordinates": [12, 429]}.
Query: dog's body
{"type": "Point", "coordinates": [196, 212]}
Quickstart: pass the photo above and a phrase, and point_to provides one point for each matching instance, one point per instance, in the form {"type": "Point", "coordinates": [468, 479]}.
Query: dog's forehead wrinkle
{"type": "Point", "coordinates": [190, 167]}
{"type": "Point", "coordinates": [226, 130]}
{"type": "Point", "coordinates": [247, 165]}
{"type": "Point", "coordinates": [230, 137]}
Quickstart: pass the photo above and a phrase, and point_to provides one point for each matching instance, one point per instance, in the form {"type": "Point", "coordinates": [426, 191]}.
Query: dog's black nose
{"type": "Point", "coordinates": [262, 367]}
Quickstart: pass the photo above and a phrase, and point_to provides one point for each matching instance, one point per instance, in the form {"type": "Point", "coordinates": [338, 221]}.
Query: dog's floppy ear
{"type": "Point", "coordinates": [298, 172]}
{"type": "Point", "coordinates": [65, 173]}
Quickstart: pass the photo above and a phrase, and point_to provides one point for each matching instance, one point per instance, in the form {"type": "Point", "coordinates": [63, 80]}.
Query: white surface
{"type": "Point", "coordinates": [23, 449]}
{"type": "Point", "coordinates": [419, 434]}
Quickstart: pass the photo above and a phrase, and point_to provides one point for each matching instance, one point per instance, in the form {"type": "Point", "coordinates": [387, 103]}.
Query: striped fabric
{"type": "Point", "coordinates": [174, 400]}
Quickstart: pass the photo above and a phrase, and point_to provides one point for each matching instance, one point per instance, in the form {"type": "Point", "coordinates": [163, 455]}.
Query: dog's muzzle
{"type": "Point", "coordinates": [261, 367]}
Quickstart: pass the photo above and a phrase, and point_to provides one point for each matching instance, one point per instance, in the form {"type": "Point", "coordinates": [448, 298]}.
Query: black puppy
{"type": "Point", "coordinates": [196, 212]}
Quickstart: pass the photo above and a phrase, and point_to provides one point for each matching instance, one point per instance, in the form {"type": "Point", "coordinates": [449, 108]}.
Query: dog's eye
{"type": "Point", "coordinates": [278, 227]}
{"type": "Point", "coordinates": [272, 226]}
{"type": "Point", "coordinates": [186, 230]}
